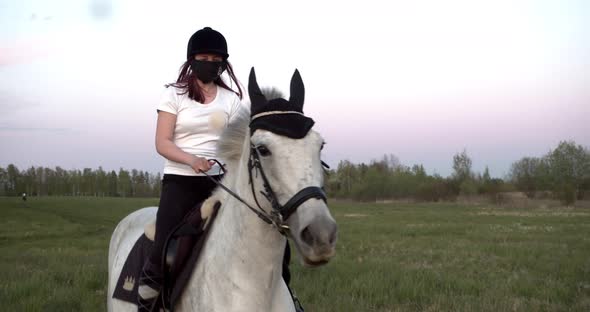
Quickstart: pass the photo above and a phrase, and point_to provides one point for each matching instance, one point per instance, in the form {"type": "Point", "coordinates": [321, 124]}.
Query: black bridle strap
{"type": "Point", "coordinates": [254, 163]}
{"type": "Point", "coordinates": [299, 198]}
{"type": "Point", "coordinates": [282, 211]}
{"type": "Point", "coordinates": [268, 192]}
{"type": "Point", "coordinates": [260, 214]}
{"type": "Point", "coordinates": [279, 213]}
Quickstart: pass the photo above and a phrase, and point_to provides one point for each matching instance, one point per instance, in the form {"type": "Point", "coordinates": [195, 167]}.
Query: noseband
{"type": "Point", "coordinates": [279, 213]}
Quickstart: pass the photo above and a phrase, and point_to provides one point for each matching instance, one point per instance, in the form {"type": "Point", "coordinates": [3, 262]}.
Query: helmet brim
{"type": "Point", "coordinates": [213, 51]}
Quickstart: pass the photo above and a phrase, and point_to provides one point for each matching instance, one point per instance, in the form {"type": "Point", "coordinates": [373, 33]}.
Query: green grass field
{"type": "Point", "coordinates": [391, 257]}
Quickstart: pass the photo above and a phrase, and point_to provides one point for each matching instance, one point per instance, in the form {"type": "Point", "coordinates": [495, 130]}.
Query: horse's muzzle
{"type": "Point", "coordinates": [317, 241]}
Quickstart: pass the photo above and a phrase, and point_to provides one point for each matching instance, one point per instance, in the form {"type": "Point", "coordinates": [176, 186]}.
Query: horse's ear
{"type": "Point", "coordinates": [297, 91]}
{"type": "Point", "coordinates": [257, 99]}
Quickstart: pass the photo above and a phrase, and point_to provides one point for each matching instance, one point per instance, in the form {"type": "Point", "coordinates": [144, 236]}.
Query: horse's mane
{"type": "Point", "coordinates": [232, 138]}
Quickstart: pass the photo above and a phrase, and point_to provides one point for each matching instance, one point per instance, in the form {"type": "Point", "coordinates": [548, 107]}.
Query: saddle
{"type": "Point", "coordinates": [181, 241]}
{"type": "Point", "coordinates": [181, 253]}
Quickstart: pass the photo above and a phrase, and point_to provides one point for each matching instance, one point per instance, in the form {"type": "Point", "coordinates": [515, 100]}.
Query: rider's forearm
{"type": "Point", "coordinates": [172, 152]}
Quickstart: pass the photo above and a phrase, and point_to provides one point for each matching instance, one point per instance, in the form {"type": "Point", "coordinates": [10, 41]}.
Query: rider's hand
{"type": "Point", "coordinates": [201, 164]}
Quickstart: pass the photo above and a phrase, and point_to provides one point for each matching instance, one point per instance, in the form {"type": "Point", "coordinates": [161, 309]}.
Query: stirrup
{"type": "Point", "coordinates": [149, 289]}
{"type": "Point", "coordinates": [152, 304]}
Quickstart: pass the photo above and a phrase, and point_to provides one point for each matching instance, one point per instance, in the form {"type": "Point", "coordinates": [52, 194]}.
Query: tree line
{"type": "Point", "coordinates": [42, 181]}
{"type": "Point", "coordinates": [563, 173]}
{"type": "Point", "coordinates": [387, 179]}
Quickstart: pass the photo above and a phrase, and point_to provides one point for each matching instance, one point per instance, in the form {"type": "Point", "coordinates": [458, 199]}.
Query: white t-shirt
{"type": "Point", "coordinates": [195, 132]}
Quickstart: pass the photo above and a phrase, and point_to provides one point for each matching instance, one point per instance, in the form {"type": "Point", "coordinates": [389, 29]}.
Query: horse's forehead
{"type": "Point", "coordinates": [267, 137]}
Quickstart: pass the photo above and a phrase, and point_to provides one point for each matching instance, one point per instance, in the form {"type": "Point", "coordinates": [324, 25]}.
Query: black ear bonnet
{"type": "Point", "coordinates": [280, 116]}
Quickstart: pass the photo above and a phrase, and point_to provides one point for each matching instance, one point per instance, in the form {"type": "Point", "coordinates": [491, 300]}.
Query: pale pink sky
{"type": "Point", "coordinates": [422, 80]}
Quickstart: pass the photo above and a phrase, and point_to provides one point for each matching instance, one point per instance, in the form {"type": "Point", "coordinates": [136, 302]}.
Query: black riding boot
{"type": "Point", "coordinates": [287, 278]}
{"type": "Point", "coordinates": [150, 285]}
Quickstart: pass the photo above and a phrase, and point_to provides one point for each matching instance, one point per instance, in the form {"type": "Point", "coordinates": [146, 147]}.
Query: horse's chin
{"type": "Point", "coordinates": [314, 258]}
{"type": "Point", "coordinates": [313, 264]}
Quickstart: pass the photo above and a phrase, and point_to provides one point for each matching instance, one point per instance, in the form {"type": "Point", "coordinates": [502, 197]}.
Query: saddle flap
{"type": "Point", "coordinates": [185, 248]}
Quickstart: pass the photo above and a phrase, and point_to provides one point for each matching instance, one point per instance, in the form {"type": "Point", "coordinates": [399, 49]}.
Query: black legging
{"type": "Point", "coordinates": [179, 195]}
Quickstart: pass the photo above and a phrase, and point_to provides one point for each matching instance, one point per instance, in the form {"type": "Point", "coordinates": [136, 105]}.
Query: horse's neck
{"type": "Point", "coordinates": [241, 264]}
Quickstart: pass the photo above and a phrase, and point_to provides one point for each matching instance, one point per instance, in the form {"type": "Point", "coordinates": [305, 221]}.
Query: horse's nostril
{"type": "Point", "coordinates": [333, 237]}
{"type": "Point", "coordinates": [306, 236]}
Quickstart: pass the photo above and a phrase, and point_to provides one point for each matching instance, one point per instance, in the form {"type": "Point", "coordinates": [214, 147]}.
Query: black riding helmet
{"type": "Point", "coordinates": [207, 40]}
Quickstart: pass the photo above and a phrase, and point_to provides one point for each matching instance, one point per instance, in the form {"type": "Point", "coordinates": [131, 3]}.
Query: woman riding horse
{"type": "Point", "coordinates": [191, 114]}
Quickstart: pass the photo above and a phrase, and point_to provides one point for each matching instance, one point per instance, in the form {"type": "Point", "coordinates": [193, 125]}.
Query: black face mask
{"type": "Point", "coordinates": [207, 71]}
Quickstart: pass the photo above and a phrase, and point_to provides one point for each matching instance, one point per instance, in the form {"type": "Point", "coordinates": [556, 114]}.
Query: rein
{"type": "Point", "coordinates": [261, 214]}
{"type": "Point", "coordinates": [279, 213]}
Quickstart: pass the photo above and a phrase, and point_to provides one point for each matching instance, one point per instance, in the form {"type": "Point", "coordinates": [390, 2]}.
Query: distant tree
{"type": "Point", "coordinates": [347, 175]}
{"type": "Point", "coordinates": [486, 175]}
{"type": "Point", "coordinates": [112, 183]}
{"type": "Point", "coordinates": [525, 174]}
{"type": "Point", "coordinates": [403, 182]}
{"type": "Point", "coordinates": [148, 184]}
{"type": "Point", "coordinates": [140, 183]}
{"type": "Point", "coordinates": [76, 178]}
{"type": "Point", "coordinates": [13, 176]}
{"type": "Point", "coordinates": [419, 171]}
{"type": "Point", "coordinates": [436, 188]}
{"type": "Point", "coordinates": [462, 175]}
{"type": "Point", "coordinates": [156, 185]}
{"type": "Point", "coordinates": [392, 161]}
{"type": "Point", "coordinates": [124, 184]}
{"type": "Point", "coordinates": [50, 181]}
{"type": "Point", "coordinates": [569, 168]}
{"type": "Point", "coordinates": [101, 181]}
{"type": "Point", "coordinates": [372, 188]}
{"type": "Point", "coordinates": [61, 180]}
{"type": "Point", "coordinates": [381, 166]}
{"type": "Point", "coordinates": [88, 182]}
{"type": "Point", "coordinates": [29, 181]}
{"type": "Point", "coordinates": [332, 183]}
{"type": "Point", "coordinates": [461, 167]}
{"type": "Point", "coordinates": [67, 182]}
{"type": "Point", "coordinates": [468, 187]}
{"type": "Point", "coordinates": [3, 181]}
{"type": "Point", "coordinates": [490, 186]}
{"type": "Point", "coordinates": [542, 175]}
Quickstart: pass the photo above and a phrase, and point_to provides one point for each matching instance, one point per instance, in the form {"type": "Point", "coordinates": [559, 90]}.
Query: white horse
{"type": "Point", "coordinates": [240, 266]}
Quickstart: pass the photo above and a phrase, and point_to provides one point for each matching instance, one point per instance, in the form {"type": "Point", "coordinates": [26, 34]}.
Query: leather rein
{"type": "Point", "coordinates": [279, 213]}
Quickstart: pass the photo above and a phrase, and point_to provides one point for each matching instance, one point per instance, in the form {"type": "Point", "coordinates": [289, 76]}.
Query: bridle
{"type": "Point", "coordinates": [279, 213]}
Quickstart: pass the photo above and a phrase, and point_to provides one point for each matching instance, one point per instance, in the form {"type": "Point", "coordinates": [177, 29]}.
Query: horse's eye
{"type": "Point", "coordinates": [263, 150]}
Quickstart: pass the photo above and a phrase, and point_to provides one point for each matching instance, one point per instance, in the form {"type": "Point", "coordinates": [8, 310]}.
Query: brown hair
{"type": "Point", "coordinates": [187, 82]}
